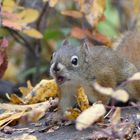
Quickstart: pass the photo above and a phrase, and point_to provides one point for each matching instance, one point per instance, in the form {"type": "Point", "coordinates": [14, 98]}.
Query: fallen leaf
{"type": "Point", "coordinates": [116, 117]}
{"type": "Point", "coordinates": [43, 90]}
{"type": "Point", "coordinates": [5, 115]}
{"type": "Point", "coordinates": [89, 116]}
{"type": "Point", "coordinates": [14, 116]}
{"type": "Point", "coordinates": [35, 114]}
{"type": "Point", "coordinates": [72, 114]}
{"type": "Point", "coordinates": [82, 99]}
{"type": "Point", "coordinates": [26, 90]}
{"type": "Point", "coordinates": [25, 137]}
{"type": "Point", "coordinates": [19, 108]}
{"type": "Point", "coordinates": [15, 99]}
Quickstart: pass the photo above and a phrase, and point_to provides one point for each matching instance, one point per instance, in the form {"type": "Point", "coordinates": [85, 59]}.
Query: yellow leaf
{"type": "Point", "coordinates": [11, 118]}
{"type": "Point", "coordinates": [136, 6]}
{"type": "Point", "coordinates": [5, 115]}
{"type": "Point", "coordinates": [8, 5]}
{"type": "Point", "coordinates": [82, 99]}
{"type": "Point", "coordinates": [116, 116]}
{"type": "Point", "coordinates": [27, 16]}
{"type": "Point", "coordinates": [89, 116]}
{"type": "Point", "coordinates": [15, 99]}
{"type": "Point", "coordinates": [72, 13]}
{"type": "Point", "coordinates": [26, 90]}
{"type": "Point", "coordinates": [43, 90]}
{"type": "Point", "coordinates": [33, 33]}
{"type": "Point", "coordinates": [93, 10]}
{"type": "Point", "coordinates": [52, 3]}
{"type": "Point", "coordinates": [72, 114]}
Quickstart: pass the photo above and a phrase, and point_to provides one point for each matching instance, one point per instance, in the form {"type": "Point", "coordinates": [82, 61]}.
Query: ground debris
{"type": "Point", "coordinates": [120, 131]}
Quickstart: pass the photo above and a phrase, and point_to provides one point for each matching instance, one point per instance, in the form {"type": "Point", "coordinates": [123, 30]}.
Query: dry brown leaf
{"type": "Point", "coordinates": [116, 117]}
{"type": "Point", "coordinates": [89, 116]}
{"type": "Point", "coordinates": [72, 13]}
{"type": "Point", "coordinates": [119, 94]}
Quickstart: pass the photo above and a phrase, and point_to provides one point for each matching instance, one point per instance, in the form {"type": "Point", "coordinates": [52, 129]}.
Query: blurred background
{"type": "Point", "coordinates": [29, 52]}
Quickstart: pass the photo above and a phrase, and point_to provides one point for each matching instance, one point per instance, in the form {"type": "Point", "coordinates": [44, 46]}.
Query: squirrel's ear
{"type": "Point", "coordinates": [65, 43]}
{"type": "Point", "coordinates": [85, 46]}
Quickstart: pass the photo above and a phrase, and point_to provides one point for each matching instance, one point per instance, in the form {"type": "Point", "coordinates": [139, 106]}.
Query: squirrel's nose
{"type": "Point", "coordinates": [56, 68]}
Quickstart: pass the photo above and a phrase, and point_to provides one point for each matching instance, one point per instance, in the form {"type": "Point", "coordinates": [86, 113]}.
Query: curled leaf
{"type": "Point", "coordinates": [89, 116]}
{"type": "Point", "coordinates": [43, 90]}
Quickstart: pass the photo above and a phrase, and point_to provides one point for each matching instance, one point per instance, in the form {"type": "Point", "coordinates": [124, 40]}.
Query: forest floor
{"type": "Point", "coordinates": [49, 128]}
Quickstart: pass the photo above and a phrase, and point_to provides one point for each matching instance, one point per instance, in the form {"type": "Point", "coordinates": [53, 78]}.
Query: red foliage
{"type": "Point", "coordinates": [3, 56]}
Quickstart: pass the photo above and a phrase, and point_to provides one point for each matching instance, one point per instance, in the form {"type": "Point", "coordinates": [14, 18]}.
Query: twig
{"type": "Point", "coordinates": [39, 21]}
{"type": "Point", "coordinates": [42, 14]}
{"type": "Point", "coordinates": [19, 38]}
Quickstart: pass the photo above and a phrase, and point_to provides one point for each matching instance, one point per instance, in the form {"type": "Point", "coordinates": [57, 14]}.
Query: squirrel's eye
{"type": "Point", "coordinates": [74, 61]}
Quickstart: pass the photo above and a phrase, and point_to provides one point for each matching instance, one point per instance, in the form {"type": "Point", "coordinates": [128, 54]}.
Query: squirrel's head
{"type": "Point", "coordinates": [69, 63]}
